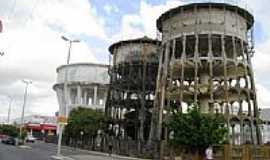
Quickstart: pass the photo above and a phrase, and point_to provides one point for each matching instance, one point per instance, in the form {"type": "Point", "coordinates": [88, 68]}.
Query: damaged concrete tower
{"type": "Point", "coordinates": [131, 91]}
{"type": "Point", "coordinates": [206, 60]}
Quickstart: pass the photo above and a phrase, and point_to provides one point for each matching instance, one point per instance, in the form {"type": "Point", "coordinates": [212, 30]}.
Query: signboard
{"type": "Point", "coordinates": [62, 120]}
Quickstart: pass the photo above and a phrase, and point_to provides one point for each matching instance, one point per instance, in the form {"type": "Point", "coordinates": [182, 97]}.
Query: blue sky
{"type": "Point", "coordinates": [32, 43]}
{"type": "Point", "coordinates": [119, 8]}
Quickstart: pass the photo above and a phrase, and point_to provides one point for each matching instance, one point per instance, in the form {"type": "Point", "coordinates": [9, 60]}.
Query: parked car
{"type": "Point", "coordinates": [30, 139]}
{"type": "Point", "coordinates": [9, 140]}
{"type": "Point", "coordinates": [3, 136]}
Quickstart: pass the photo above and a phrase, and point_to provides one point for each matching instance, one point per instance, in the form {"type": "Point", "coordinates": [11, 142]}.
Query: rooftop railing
{"type": "Point", "coordinates": [240, 3]}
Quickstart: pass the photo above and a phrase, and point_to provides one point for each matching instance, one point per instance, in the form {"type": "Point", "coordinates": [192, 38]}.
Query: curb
{"type": "Point", "coordinates": [61, 158]}
{"type": "Point", "coordinates": [105, 154]}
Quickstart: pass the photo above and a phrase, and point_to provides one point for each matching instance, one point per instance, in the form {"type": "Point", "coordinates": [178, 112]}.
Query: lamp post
{"type": "Point", "coordinates": [27, 83]}
{"type": "Point", "coordinates": [9, 108]}
{"type": "Point", "coordinates": [81, 133]}
{"type": "Point", "coordinates": [66, 112]}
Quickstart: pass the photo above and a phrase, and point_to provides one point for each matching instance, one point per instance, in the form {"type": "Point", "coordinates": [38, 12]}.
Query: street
{"type": "Point", "coordinates": [44, 151]}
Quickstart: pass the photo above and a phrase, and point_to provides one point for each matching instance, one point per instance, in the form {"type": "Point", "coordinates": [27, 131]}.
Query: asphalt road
{"type": "Point", "coordinates": [44, 151]}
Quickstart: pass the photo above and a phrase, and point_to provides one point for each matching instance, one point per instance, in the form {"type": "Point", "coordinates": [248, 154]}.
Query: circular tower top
{"type": "Point", "coordinates": [83, 73]}
{"type": "Point", "coordinates": [190, 7]}
{"type": "Point", "coordinates": [135, 51]}
{"type": "Point", "coordinates": [144, 39]}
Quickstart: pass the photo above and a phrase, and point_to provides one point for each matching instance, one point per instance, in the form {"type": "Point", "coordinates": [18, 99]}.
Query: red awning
{"type": "Point", "coordinates": [48, 127]}
{"type": "Point", "coordinates": [41, 126]}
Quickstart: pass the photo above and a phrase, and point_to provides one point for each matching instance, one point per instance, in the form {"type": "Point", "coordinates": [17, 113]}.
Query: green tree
{"type": "Point", "coordinates": [195, 131]}
{"type": "Point", "coordinates": [84, 120]}
{"type": "Point", "coordinates": [9, 130]}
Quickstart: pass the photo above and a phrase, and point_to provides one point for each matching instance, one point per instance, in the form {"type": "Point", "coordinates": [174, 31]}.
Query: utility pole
{"type": "Point", "coordinates": [24, 103]}
{"type": "Point", "coordinates": [9, 109]}
{"type": "Point", "coordinates": [61, 113]}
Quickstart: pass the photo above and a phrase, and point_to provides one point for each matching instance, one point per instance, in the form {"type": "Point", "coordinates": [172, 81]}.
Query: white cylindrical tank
{"type": "Point", "coordinates": [87, 85]}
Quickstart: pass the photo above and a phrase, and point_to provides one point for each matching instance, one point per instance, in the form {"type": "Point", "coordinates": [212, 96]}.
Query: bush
{"type": "Point", "coordinates": [9, 130]}
{"type": "Point", "coordinates": [195, 131]}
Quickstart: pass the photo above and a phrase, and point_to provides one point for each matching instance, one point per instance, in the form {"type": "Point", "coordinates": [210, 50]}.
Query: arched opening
{"type": "Point", "coordinates": [184, 107]}
{"type": "Point", "coordinates": [245, 107]}
{"type": "Point", "coordinates": [242, 82]}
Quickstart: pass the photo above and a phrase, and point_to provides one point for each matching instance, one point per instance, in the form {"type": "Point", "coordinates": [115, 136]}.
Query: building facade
{"type": "Point", "coordinates": [87, 86]}
{"type": "Point", "coordinates": [39, 126]}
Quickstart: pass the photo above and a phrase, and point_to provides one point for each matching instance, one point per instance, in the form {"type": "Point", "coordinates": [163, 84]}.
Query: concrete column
{"type": "Point", "coordinates": [61, 98]}
{"type": "Point", "coordinates": [233, 134]}
{"type": "Point", "coordinates": [204, 82]}
{"type": "Point", "coordinates": [95, 95]}
{"type": "Point", "coordinates": [105, 97]}
{"type": "Point", "coordinates": [68, 100]}
{"type": "Point", "coordinates": [79, 94]}
{"type": "Point", "coordinates": [85, 97]}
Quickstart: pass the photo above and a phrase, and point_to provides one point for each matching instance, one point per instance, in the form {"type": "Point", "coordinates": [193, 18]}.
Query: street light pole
{"type": "Point", "coordinates": [24, 103]}
{"type": "Point", "coordinates": [66, 112]}
{"type": "Point", "coordinates": [9, 109]}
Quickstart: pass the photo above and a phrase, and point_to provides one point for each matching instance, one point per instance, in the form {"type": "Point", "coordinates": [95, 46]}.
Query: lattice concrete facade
{"type": "Point", "coordinates": [87, 86]}
{"type": "Point", "coordinates": [206, 60]}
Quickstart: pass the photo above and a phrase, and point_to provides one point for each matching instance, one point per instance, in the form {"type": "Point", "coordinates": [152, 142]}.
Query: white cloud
{"type": "Point", "coordinates": [150, 13]}
{"type": "Point", "coordinates": [129, 29]}
{"type": "Point", "coordinates": [144, 22]}
{"type": "Point", "coordinates": [261, 59]}
{"type": "Point", "coordinates": [110, 8]}
{"type": "Point", "coordinates": [34, 49]}
{"type": "Point", "coordinates": [261, 13]}
{"type": "Point", "coordinates": [263, 95]}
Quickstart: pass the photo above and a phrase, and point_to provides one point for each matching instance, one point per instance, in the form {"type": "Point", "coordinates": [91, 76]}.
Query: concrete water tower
{"type": "Point", "coordinates": [206, 60]}
{"type": "Point", "coordinates": [132, 86]}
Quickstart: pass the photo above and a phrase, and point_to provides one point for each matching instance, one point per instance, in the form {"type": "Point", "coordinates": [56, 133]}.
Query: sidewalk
{"type": "Point", "coordinates": [88, 155]}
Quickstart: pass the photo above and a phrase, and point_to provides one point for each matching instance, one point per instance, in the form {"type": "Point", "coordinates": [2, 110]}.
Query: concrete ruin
{"type": "Point", "coordinates": [131, 92]}
{"type": "Point", "coordinates": [87, 86]}
{"type": "Point", "coordinates": [206, 60]}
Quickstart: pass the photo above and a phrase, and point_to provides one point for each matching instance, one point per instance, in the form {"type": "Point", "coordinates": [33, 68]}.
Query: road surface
{"type": "Point", "coordinates": [44, 151]}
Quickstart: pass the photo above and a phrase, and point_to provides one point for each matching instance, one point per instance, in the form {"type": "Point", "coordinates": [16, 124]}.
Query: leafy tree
{"type": "Point", "coordinates": [9, 130]}
{"type": "Point", "coordinates": [195, 131]}
{"type": "Point", "coordinates": [84, 120]}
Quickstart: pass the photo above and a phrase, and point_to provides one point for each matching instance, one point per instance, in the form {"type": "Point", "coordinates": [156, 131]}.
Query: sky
{"type": "Point", "coordinates": [31, 41]}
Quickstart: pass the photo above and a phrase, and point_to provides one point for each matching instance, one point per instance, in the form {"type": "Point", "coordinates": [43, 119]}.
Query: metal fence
{"type": "Point", "coordinates": [244, 152]}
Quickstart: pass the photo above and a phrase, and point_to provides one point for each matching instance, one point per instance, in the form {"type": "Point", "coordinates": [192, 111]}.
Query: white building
{"type": "Point", "coordinates": [87, 85]}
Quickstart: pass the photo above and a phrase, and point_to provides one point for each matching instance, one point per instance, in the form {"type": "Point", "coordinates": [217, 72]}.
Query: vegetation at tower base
{"type": "Point", "coordinates": [83, 124]}
{"type": "Point", "coordinates": [195, 131]}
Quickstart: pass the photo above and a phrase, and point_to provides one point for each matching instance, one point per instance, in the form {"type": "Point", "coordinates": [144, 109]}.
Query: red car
{"type": "Point", "coordinates": [3, 136]}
